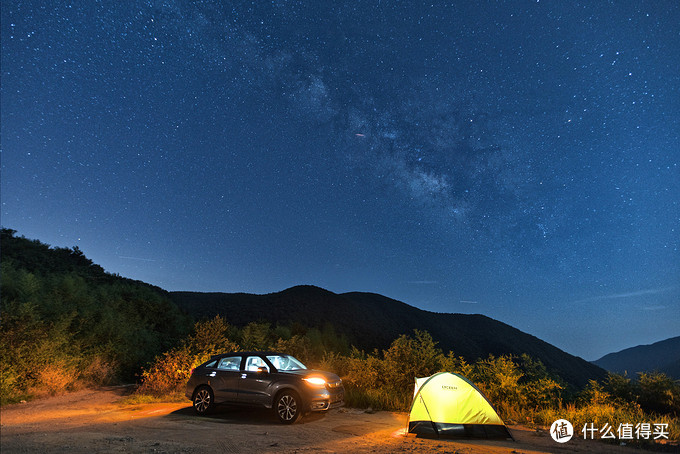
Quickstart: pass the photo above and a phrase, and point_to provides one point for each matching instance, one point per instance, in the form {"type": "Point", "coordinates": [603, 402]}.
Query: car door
{"type": "Point", "coordinates": [225, 382]}
{"type": "Point", "coordinates": [254, 383]}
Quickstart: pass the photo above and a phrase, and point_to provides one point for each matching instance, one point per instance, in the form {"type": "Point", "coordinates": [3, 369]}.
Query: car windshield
{"type": "Point", "coordinates": [285, 362]}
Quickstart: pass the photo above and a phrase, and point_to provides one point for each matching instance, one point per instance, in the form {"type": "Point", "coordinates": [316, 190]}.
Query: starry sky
{"type": "Point", "coordinates": [515, 159]}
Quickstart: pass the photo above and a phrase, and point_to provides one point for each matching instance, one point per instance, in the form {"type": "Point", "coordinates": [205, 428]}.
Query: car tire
{"type": "Point", "coordinates": [288, 407]}
{"type": "Point", "coordinates": [204, 401]}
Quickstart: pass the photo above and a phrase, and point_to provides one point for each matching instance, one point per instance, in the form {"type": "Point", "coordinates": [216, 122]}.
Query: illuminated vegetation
{"type": "Point", "coordinates": [520, 388]}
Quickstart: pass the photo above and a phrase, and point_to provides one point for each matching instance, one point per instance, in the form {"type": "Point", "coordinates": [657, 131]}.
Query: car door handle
{"type": "Point", "coordinates": [244, 375]}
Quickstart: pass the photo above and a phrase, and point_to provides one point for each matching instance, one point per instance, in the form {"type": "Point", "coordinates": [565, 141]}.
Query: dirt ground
{"type": "Point", "coordinates": [96, 421]}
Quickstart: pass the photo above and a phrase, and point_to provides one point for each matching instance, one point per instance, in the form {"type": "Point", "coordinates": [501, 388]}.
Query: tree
{"type": "Point", "coordinates": [408, 358]}
{"type": "Point", "coordinates": [659, 393]}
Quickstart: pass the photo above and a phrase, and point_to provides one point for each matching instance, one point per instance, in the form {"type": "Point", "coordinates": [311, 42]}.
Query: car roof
{"type": "Point", "coordinates": [265, 353]}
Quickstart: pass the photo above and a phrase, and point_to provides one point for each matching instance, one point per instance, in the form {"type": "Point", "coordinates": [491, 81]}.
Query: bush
{"type": "Point", "coordinates": [99, 370]}
{"type": "Point", "coordinates": [659, 393]}
{"type": "Point", "coordinates": [365, 372]}
{"type": "Point", "coordinates": [54, 378]}
{"type": "Point", "coordinates": [298, 346]}
{"type": "Point", "coordinates": [170, 371]}
{"type": "Point", "coordinates": [499, 379]}
{"type": "Point", "coordinates": [457, 364]}
{"type": "Point", "coordinates": [256, 336]}
{"type": "Point", "coordinates": [408, 358]}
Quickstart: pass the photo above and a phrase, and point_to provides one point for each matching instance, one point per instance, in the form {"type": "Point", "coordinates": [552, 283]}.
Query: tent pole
{"type": "Point", "coordinates": [429, 416]}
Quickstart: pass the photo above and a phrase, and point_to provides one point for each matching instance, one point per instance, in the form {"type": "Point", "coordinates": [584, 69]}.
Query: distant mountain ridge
{"type": "Point", "coordinates": [372, 321]}
{"type": "Point", "coordinates": [662, 356]}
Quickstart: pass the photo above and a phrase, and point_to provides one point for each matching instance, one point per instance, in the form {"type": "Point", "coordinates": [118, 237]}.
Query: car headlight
{"type": "Point", "coordinates": [315, 381]}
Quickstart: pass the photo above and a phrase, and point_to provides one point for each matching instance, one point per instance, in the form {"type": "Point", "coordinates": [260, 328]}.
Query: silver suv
{"type": "Point", "coordinates": [266, 379]}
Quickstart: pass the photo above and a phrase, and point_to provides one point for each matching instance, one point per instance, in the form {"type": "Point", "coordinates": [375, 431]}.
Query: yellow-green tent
{"type": "Point", "coordinates": [447, 405]}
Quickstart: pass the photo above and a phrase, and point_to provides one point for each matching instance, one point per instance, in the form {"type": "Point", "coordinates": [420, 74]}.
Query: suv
{"type": "Point", "coordinates": [266, 379]}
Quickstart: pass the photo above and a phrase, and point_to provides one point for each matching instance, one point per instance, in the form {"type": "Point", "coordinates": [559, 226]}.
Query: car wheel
{"type": "Point", "coordinates": [288, 407]}
{"type": "Point", "coordinates": [203, 400]}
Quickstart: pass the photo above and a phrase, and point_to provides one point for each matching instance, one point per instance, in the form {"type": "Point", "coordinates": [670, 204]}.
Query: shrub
{"type": "Point", "coordinates": [333, 362]}
{"type": "Point", "coordinates": [170, 371]}
{"type": "Point", "coordinates": [498, 378]}
{"type": "Point", "coordinates": [659, 393]}
{"type": "Point", "coordinates": [299, 346]}
{"type": "Point", "coordinates": [99, 370]}
{"type": "Point", "coordinates": [256, 336]}
{"type": "Point", "coordinates": [457, 364]}
{"type": "Point", "coordinates": [365, 372]}
{"type": "Point", "coordinates": [620, 387]}
{"type": "Point", "coordinates": [408, 358]}
{"type": "Point", "coordinates": [54, 378]}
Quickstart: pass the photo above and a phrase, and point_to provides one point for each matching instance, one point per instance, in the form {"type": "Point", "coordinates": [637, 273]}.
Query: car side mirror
{"type": "Point", "coordinates": [262, 370]}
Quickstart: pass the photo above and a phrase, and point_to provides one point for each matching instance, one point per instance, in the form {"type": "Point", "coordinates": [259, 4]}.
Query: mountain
{"type": "Point", "coordinates": [663, 356]}
{"type": "Point", "coordinates": [372, 321]}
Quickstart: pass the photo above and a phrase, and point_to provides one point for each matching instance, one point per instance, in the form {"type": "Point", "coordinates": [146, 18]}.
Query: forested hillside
{"type": "Point", "coordinates": [371, 321]}
{"type": "Point", "coordinates": [66, 322]}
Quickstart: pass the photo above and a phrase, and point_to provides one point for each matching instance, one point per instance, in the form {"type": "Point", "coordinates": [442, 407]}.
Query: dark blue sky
{"type": "Point", "coordinates": [515, 159]}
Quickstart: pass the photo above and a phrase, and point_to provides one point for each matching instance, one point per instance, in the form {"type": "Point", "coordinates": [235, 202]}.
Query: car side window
{"type": "Point", "coordinates": [255, 362]}
{"type": "Point", "coordinates": [229, 363]}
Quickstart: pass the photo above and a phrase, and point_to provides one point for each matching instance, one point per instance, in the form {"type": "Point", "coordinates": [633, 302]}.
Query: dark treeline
{"type": "Point", "coordinates": [371, 321]}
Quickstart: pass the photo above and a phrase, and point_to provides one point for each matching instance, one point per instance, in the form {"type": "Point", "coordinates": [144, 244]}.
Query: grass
{"type": "Point", "coordinates": [140, 398]}
{"type": "Point", "coordinates": [598, 414]}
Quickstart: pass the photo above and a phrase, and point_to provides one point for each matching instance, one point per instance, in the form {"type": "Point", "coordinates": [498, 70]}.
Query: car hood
{"type": "Point", "coordinates": [328, 376]}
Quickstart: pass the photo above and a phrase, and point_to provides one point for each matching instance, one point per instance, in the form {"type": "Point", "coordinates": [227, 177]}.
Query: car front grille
{"type": "Point", "coordinates": [334, 384]}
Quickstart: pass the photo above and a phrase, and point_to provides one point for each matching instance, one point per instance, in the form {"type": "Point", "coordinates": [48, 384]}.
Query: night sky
{"type": "Point", "coordinates": [515, 159]}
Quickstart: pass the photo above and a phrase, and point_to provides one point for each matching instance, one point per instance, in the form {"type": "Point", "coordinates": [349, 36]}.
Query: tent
{"type": "Point", "coordinates": [447, 405]}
